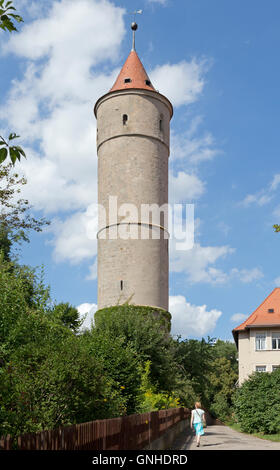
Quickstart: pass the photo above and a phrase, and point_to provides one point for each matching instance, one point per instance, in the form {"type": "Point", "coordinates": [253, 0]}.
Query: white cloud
{"type": "Point", "coordinates": [238, 317]}
{"type": "Point", "coordinates": [191, 147]}
{"type": "Point", "coordinates": [199, 265]}
{"type": "Point", "coordinates": [188, 319]}
{"type": "Point", "coordinates": [184, 187]}
{"type": "Point", "coordinates": [181, 83]}
{"type": "Point", "coordinates": [260, 199]}
{"type": "Point", "coordinates": [75, 239]}
{"type": "Point", "coordinates": [92, 31]}
{"type": "Point", "coordinates": [264, 196]}
{"type": "Point", "coordinates": [87, 310]}
{"type": "Point", "coordinates": [277, 281]}
{"type": "Point", "coordinates": [198, 262]}
{"type": "Point", "coordinates": [162, 2]}
{"type": "Point", "coordinates": [247, 275]}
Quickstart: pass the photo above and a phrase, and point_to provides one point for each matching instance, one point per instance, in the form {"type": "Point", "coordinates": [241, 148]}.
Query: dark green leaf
{"type": "Point", "coordinates": [17, 17]}
{"type": "Point", "coordinates": [14, 155]}
{"type": "Point", "coordinates": [13, 135]}
{"type": "Point", "coordinates": [3, 154]}
{"type": "Point", "coordinates": [19, 149]}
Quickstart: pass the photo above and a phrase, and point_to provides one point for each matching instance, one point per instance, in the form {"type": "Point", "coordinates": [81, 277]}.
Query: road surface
{"type": "Point", "coordinates": [223, 438]}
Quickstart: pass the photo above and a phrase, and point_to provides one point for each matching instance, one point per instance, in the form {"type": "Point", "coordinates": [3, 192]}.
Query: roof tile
{"type": "Point", "coordinates": [133, 70]}
{"type": "Point", "coordinates": [261, 316]}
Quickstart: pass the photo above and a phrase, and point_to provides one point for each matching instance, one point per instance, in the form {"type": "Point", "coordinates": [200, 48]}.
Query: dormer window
{"type": "Point", "coordinates": [271, 310]}
{"type": "Point", "coordinates": [127, 80]}
{"type": "Point", "coordinates": [148, 83]}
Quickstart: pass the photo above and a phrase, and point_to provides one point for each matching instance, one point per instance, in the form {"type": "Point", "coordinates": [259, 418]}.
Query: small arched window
{"type": "Point", "coordinates": [124, 119]}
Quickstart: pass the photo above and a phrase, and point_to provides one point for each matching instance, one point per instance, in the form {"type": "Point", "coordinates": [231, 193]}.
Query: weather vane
{"type": "Point", "coordinates": [134, 26]}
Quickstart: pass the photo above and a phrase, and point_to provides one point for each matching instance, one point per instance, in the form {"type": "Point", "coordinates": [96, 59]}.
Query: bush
{"type": "Point", "coordinates": [257, 403]}
{"type": "Point", "coordinates": [48, 378]}
{"type": "Point", "coordinates": [151, 400]}
{"type": "Point", "coordinates": [220, 408]}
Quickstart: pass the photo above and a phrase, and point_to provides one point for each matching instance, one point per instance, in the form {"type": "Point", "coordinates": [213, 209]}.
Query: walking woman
{"type": "Point", "coordinates": [197, 418]}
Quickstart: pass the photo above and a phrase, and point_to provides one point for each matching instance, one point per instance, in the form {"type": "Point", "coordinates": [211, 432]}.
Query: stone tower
{"type": "Point", "coordinates": [133, 149]}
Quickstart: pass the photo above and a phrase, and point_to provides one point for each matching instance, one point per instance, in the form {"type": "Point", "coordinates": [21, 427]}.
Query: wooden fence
{"type": "Point", "coordinates": [126, 433]}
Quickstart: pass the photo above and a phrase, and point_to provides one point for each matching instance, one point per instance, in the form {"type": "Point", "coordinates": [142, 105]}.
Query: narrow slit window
{"type": "Point", "coordinates": [160, 124]}
{"type": "Point", "coordinates": [124, 119]}
{"type": "Point", "coordinates": [121, 285]}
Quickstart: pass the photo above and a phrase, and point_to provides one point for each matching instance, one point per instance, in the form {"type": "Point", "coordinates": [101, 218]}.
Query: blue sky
{"type": "Point", "coordinates": [218, 63]}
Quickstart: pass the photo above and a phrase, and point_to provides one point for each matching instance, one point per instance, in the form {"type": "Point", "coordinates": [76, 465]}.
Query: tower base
{"type": "Point", "coordinates": [142, 310]}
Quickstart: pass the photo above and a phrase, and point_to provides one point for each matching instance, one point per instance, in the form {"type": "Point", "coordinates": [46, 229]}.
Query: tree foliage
{"type": "Point", "coordinates": [8, 16]}
{"type": "Point", "coordinates": [257, 403]}
{"type": "Point", "coordinates": [7, 23]}
{"type": "Point", "coordinates": [47, 375]}
{"type": "Point", "coordinates": [14, 152]}
{"type": "Point", "coordinates": [15, 219]}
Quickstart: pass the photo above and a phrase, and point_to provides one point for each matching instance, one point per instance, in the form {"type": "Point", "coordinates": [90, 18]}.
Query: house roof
{"type": "Point", "coordinates": [267, 314]}
{"type": "Point", "coordinates": [132, 75]}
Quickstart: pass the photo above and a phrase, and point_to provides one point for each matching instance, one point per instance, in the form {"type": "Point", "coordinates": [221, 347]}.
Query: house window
{"type": "Point", "coordinates": [124, 119]}
{"type": "Point", "coordinates": [260, 341]}
{"type": "Point", "coordinates": [275, 340]}
{"type": "Point", "coordinates": [274, 368]}
{"type": "Point", "coordinates": [260, 368]}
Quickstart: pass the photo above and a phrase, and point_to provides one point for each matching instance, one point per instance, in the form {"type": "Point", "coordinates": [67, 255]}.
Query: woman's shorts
{"type": "Point", "coordinates": [198, 429]}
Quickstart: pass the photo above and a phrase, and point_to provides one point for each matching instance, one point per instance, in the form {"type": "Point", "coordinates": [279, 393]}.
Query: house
{"type": "Point", "coordinates": [258, 338]}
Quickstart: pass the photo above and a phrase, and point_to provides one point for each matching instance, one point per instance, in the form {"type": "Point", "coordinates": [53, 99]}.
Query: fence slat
{"type": "Point", "coordinates": [130, 432]}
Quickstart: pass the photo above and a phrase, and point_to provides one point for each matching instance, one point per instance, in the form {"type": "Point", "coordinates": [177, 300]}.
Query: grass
{"type": "Point", "coordinates": [269, 437]}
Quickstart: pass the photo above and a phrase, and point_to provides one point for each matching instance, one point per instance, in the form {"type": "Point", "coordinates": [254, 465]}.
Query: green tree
{"type": "Point", "coordinates": [7, 23]}
{"type": "Point", "coordinates": [8, 17]}
{"type": "Point", "coordinates": [257, 403]}
{"type": "Point", "coordinates": [228, 350]}
{"type": "Point", "coordinates": [47, 376]}
{"type": "Point", "coordinates": [151, 400]}
{"type": "Point", "coordinates": [222, 380]}
{"type": "Point", "coordinates": [119, 361]}
{"type": "Point", "coordinates": [195, 359]}
{"type": "Point", "coordinates": [145, 329]}
{"type": "Point", "coordinates": [16, 220]}
{"type": "Point", "coordinates": [68, 315]}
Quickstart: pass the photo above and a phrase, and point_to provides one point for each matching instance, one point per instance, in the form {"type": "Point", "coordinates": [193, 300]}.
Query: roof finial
{"type": "Point", "coordinates": [134, 27]}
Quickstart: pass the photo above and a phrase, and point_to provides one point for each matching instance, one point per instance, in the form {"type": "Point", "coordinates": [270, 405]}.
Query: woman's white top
{"type": "Point", "coordinates": [197, 415]}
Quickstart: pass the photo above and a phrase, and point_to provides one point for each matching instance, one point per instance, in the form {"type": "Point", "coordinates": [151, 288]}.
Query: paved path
{"type": "Point", "coordinates": [223, 438]}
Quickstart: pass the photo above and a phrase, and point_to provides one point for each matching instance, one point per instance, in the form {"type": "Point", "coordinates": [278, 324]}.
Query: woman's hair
{"type": "Point", "coordinates": [198, 404]}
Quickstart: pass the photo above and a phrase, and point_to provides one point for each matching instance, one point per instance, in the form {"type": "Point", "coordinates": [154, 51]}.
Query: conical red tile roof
{"type": "Point", "coordinates": [132, 75]}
